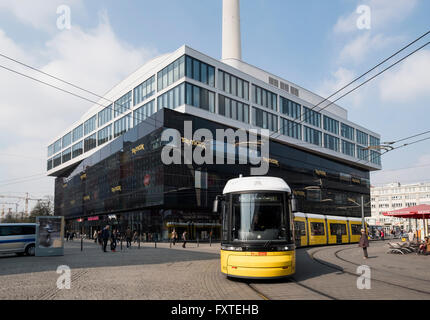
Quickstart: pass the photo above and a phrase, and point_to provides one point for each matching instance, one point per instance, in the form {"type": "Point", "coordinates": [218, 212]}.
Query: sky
{"type": "Point", "coordinates": [315, 44]}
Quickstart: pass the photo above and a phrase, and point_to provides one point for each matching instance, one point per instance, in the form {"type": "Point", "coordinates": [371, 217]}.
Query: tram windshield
{"type": "Point", "coordinates": [259, 216]}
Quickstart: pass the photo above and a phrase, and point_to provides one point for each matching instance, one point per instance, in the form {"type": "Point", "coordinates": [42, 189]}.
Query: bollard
{"type": "Point", "coordinates": [82, 243]}
{"type": "Point", "coordinates": [197, 242]}
{"type": "Point", "coordinates": [210, 241]}
{"type": "Point", "coordinates": [155, 242]}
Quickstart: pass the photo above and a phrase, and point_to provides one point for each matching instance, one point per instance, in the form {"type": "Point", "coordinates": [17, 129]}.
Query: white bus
{"type": "Point", "coordinates": [19, 238]}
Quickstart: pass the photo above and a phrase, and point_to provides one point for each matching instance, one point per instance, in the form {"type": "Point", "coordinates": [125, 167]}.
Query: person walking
{"type": "Point", "coordinates": [174, 236]}
{"type": "Point", "coordinates": [105, 237]}
{"type": "Point", "coordinates": [364, 243]}
{"type": "Point", "coordinates": [184, 238]}
{"type": "Point", "coordinates": [113, 240]}
{"type": "Point", "coordinates": [382, 234]}
{"type": "Point", "coordinates": [95, 236]}
{"type": "Point", "coordinates": [128, 236]}
{"type": "Point", "coordinates": [411, 236]}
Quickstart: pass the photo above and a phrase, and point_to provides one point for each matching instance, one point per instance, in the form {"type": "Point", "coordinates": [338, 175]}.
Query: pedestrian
{"type": "Point", "coordinates": [411, 236]}
{"type": "Point", "coordinates": [72, 235]}
{"type": "Point", "coordinates": [95, 236]}
{"type": "Point", "coordinates": [67, 235]}
{"type": "Point", "coordinates": [99, 237]}
{"type": "Point", "coordinates": [128, 236]}
{"type": "Point", "coordinates": [105, 237]}
{"type": "Point", "coordinates": [113, 240]}
{"type": "Point", "coordinates": [184, 238]}
{"type": "Point", "coordinates": [382, 235]}
{"type": "Point", "coordinates": [135, 237]}
{"type": "Point", "coordinates": [364, 243]}
{"type": "Point", "coordinates": [174, 236]}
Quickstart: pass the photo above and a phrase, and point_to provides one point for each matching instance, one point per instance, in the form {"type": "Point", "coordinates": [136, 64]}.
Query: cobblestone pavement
{"type": "Point", "coordinates": [193, 273]}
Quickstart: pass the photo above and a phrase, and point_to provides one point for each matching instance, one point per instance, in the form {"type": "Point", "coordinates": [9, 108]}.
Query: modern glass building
{"type": "Point", "coordinates": [108, 163]}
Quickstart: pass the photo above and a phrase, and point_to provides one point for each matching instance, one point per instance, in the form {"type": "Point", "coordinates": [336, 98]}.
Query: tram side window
{"type": "Point", "coordinates": [356, 229]}
{"type": "Point", "coordinates": [337, 229]}
{"type": "Point", "coordinates": [224, 223]}
{"type": "Point", "coordinates": [317, 229]}
{"type": "Point", "coordinates": [300, 228]}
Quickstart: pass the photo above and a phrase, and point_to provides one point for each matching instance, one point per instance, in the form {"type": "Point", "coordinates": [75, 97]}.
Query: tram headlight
{"type": "Point", "coordinates": [231, 248]}
{"type": "Point", "coordinates": [284, 248]}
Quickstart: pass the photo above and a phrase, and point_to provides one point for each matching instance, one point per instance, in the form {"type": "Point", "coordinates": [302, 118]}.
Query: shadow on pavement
{"type": "Point", "coordinates": [92, 257]}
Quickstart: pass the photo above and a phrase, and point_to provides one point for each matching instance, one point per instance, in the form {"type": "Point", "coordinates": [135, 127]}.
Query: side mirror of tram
{"type": "Point", "coordinates": [293, 204]}
{"type": "Point", "coordinates": [216, 203]}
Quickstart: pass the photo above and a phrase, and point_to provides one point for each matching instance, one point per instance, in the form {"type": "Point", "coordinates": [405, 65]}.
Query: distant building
{"type": "Point", "coordinates": [395, 196]}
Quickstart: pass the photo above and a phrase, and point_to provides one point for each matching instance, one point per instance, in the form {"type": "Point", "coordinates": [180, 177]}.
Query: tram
{"type": "Point", "coordinates": [257, 238]}
{"type": "Point", "coordinates": [260, 231]}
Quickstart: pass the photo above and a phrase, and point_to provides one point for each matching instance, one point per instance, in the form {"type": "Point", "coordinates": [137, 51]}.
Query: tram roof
{"type": "Point", "coordinates": [256, 184]}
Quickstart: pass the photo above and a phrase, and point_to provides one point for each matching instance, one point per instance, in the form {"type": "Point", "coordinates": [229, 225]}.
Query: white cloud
{"type": "Point", "coordinates": [32, 114]}
{"type": "Point", "coordinates": [37, 14]}
{"type": "Point", "coordinates": [418, 171]}
{"type": "Point", "coordinates": [360, 47]}
{"type": "Point", "coordinates": [409, 82]}
{"type": "Point", "coordinates": [384, 14]}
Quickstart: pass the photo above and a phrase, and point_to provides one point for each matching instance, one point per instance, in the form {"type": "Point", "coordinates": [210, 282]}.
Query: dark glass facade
{"type": "Point", "coordinates": [126, 184]}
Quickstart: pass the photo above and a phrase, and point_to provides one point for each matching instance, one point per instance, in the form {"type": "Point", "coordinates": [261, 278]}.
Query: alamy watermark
{"type": "Point", "coordinates": [64, 281]}
{"type": "Point", "coordinates": [64, 21]}
{"type": "Point", "coordinates": [364, 21]}
{"type": "Point", "coordinates": [245, 147]}
{"type": "Point", "coordinates": [364, 281]}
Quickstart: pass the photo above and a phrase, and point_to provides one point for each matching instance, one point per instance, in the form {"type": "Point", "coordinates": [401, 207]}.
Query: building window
{"type": "Point", "coordinates": [374, 141]}
{"type": "Point", "coordinates": [347, 131]}
{"type": "Point", "coordinates": [66, 155]}
{"type": "Point", "coordinates": [50, 150]}
{"type": "Point", "coordinates": [146, 111]}
{"type": "Point", "coordinates": [291, 129]}
{"type": "Point", "coordinates": [90, 125]}
{"type": "Point", "coordinates": [233, 109]}
{"type": "Point", "coordinates": [122, 125]}
{"type": "Point", "coordinates": [362, 138]}
{"type": "Point", "coordinates": [122, 104]}
{"type": "Point", "coordinates": [265, 120]}
{"type": "Point", "coordinates": [200, 71]}
{"type": "Point", "coordinates": [77, 149]}
{"type": "Point", "coordinates": [78, 133]}
{"type": "Point", "coordinates": [104, 135]}
{"type": "Point", "coordinates": [264, 98]}
{"type": "Point", "coordinates": [57, 160]}
{"type": "Point", "coordinates": [290, 108]}
{"type": "Point", "coordinates": [147, 89]}
{"type": "Point", "coordinates": [67, 140]}
{"type": "Point", "coordinates": [331, 125]}
{"type": "Point", "coordinates": [348, 148]}
{"type": "Point", "coordinates": [57, 146]}
{"type": "Point", "coordinates": [233, 85]}
{"type": "Point", "coordinates": [362, 153]}
{"type": "Point", "coordinates": [200, 97]}
{"type": "Point", "coordinates": [312, 117]}
{"type": "Point", "coordinates": [90, 142]}
{"type": "Point", "coordinates": [375, 157]}
{"type": "Point", "coordinates": [105, 116]}
{"type": "Point", "coordinates": [173, 98]}
{"type": "Point", "coordinates": [170, 74]}
{"type": "Point", "coordinates": [331, 142]}
{"type": "Point", "coordinates": [313, 136]}
{"type": "Point", "coordinates": [49, 164]}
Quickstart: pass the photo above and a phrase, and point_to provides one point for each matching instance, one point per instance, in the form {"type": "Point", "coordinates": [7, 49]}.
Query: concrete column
{"type": "Point", "coordinates": [231, 41]}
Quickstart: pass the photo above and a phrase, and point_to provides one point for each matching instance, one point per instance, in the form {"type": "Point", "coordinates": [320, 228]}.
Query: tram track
{"type": "Point", "coordinates": [378, 269]}
{"type": "Point", "coordinates": [342, 270]}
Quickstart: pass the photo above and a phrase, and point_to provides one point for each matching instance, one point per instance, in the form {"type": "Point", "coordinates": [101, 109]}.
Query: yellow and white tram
{"type": "Point", "coordinates": [260, 232]}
